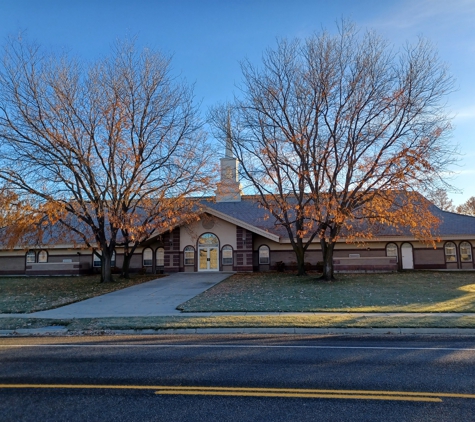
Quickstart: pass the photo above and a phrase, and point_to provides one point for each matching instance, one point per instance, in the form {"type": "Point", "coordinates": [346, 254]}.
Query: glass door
{"type": "Point", "coordinates": [209, 259]}
{"type": "Point", "coordinates": [203, 259]}
{"type": "Point", "coordinates": [208, 252]}
{"type": "Point", "coordinates": [213, 259]}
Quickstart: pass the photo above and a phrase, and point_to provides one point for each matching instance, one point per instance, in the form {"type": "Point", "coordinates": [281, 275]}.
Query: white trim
{"type": "Point", "coordinates": [242, 224]}
{"type": "Point", "coordinates": [391, 239]}
{"type": "Point", "coordinates": [231, 220]}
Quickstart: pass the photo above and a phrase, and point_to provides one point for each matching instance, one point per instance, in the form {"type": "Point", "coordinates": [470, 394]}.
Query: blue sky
{"type": "Point", "coordinates": [208, 38]}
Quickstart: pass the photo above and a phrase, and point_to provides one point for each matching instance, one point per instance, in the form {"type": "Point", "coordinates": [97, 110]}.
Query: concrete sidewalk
{"type": "Point", "coordinates": [158, 297]}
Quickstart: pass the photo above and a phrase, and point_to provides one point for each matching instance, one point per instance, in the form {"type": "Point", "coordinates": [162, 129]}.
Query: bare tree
{"type": "Point", "coordinates": [441, 200]}
{"type": "Point", "coordinates": [467, 207]}
{"type": "Point", "coordinates": [337, 134]}
{"type": "Point", "coordinates": [105, 146]}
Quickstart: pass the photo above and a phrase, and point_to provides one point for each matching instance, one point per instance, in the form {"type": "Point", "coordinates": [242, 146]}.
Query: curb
{"type": "Point", "coordinates": [58, 331]}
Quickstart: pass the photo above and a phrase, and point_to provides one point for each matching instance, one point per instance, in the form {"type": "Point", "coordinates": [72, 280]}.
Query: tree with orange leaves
{"type": "Point", "coordinates": [26, 223]}
{"type": "Point", "coordinates": [102, 148]}
{"type": "Point", "coordinates": [336, 134]}
{"type": "Point", "coordinates": [13, 212]}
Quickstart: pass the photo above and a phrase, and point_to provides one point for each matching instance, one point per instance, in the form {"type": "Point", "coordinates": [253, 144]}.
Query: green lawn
{"type": "Point", "coordinates": [30, 294]}
{"type": "Point", "coordinates": [418, 291]}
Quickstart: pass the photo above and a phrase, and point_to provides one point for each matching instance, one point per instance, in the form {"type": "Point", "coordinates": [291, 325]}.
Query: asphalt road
{"type": "Point", "coordinates": [237, 378]}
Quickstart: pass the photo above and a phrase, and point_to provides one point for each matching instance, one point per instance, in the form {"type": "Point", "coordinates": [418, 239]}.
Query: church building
{"type": "Point", "coordinates": [235, 234]}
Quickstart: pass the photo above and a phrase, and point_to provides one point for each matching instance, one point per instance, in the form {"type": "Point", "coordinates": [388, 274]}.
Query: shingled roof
{"type": "Point", "coordinates": [248, 214]}
{"type": "Point", "coordinates": [453, 224]}
{"type": "Point", "coordinates": [249, 211]}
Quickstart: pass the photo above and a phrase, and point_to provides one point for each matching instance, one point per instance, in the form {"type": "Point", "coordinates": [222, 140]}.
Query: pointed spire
{"type": "Point", "coordinates": [229, 139]}
{"type": "Point", "coordinates": [229, 188]}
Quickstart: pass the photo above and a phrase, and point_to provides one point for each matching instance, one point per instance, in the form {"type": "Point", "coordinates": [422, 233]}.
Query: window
{"type": "Point", "coordinates": [264, 254]}
{"type": "Point", "coordinates": [227, 253]}
{"type": "Point", "coordinates": [465, 252]}
{"type": "Point", "coordinates": [450, 252]}
{"type": "Point", "coordinates": [160, 257]}
{"type": "Point", "coordinates": [30, 257]}
{"type": "Point", "coordinates": [391, 250]}
{"type": "Point", "coordinates": [43, 256]}
{"type": "Point", "coordinates": [208, 239]}
{"type": "Point", "coordinates": [147, 257]}
{"type": "Point", "coordinates": [189, 252]}
{"type": "Point", "coordinates": [97, 260]}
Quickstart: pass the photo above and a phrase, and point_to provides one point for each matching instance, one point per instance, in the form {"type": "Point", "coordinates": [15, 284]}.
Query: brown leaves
{"type": "Point", "coordinates": [116, 146]}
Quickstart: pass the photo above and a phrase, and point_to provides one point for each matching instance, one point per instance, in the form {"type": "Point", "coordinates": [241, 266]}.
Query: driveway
{"type": "Point", "coordinates": [155, 298]}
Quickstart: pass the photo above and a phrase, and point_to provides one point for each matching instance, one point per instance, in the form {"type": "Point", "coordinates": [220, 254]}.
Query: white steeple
{"type": "Point", "coordinates": [229, 188]}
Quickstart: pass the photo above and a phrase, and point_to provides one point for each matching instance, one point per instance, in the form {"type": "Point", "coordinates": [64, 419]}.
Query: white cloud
{"type": "Point", "coordinates": [461, 172]}
{"type": "Point", "coordinates": [419, 14]}
{"type": "Point", "coordinates": [465, 113]}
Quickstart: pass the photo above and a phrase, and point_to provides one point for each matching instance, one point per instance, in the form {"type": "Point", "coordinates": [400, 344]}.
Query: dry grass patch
{"type": "Point", "coordinates": [31, 294]}
{"type": "Point", "coordinates": [418, 291]}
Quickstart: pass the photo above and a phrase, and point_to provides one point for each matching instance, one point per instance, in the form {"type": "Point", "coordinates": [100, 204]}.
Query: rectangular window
{"type": "Point", "coordinates": [466, 252]}
{"type": "Point", "coordinates": [227, 256]}
{"type": "Point", "coordinates": [30, 257]}
{"type": "Point", "coordinates": [450, 252]}
{"type": "Point", "coordinates": [160, 255]}
{"type": "Point", "coordinates": [189, 256]}
{"type": "Point", "coordinates": [263, 255]}
{"type": "Point", "coordinates": [97, 261]}
{"type": "Point", "coordinates": [147, 257]}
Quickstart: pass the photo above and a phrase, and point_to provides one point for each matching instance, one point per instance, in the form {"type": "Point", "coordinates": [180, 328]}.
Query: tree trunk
{"type": "Point", "coordinates": [128, 254]}
{"type": "Point", "coordinates": [106, 273]}
{"type": "Point", "coordinates": [327, 249]}
{"type": "Point", "coordinates": [126, 265]}
{"type": "Point", "coordinates": [300, 254]}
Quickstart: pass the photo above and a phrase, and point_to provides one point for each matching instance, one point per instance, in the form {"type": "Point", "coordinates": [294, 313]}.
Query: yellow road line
{"type": "Point", "coordinates": [264, 392]}
{"type": "Point", "coordinates": [297, 395]}
{"type": "Point", "coordinates": [321, 391]}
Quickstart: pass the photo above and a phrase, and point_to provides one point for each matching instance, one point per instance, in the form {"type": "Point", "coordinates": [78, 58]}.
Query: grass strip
{"type": "Point", "coordinates": [240, 321]}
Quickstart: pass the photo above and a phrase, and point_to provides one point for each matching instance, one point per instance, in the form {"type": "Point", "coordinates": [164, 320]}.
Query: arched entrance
{"type": "Point", "coordinates": [208, 252]}
{"type": "Point", "coordinates": [407, 257]}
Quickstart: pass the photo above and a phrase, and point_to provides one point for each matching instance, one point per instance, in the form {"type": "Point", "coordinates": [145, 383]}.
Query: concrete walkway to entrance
{"type": "Point", "coordinates": [155, 298]}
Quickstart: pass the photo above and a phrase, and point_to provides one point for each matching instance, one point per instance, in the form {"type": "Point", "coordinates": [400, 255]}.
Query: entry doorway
{"type": "Point", "coordinates": [407, 256]}
{"type": "Point", "coordinates": [208, 252]}
{"type": "Point", "coordinates": [208, 259]}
